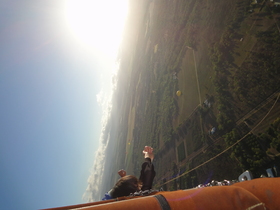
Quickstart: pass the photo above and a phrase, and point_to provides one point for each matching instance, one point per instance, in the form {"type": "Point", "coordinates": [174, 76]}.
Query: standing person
{"type": "Point", "coordinates": [147, 172]}
{"type": "Point", "coordinates": [129, 183]}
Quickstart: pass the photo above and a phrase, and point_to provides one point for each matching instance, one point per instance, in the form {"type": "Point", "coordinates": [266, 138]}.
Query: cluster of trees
{"type": "Point", "coordinates": [261, 69]}
{"type": "Point", "coordinates": [252, 152]}
{"type": "Point", "coordinates": [272, 138]}
{"type": "Point", "coordinates": [167, 107]}
{"type": "Point", "coordinates": [181, 151]}
{"type": "Point", "coordinates": [222, 58]}
{"type": "Point", "coordinates": [221, 65]}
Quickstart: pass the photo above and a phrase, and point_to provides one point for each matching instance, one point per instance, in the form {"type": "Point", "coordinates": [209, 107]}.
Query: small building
{"type": "Point", "coordinates": [207, 103]}
{"type": "Point", "coordinates": [213, 130]}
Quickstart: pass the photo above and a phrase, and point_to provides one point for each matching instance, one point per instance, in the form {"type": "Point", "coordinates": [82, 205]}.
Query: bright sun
{"type": "Point", "coordinates": [97, 23]}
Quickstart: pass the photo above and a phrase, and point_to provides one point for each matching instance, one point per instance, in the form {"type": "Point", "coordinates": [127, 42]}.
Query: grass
{"type": "Point", "coordinates": [189, 99]}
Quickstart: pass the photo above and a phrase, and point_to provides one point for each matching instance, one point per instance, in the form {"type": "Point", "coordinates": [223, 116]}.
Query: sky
{"type": "Point", "coordinates": [57, 59]}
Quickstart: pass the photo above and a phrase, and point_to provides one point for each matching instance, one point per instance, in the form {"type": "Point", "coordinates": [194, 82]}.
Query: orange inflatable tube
{"type": "Point", "coordinates": [257, 194]}
{"type": "Point", "coordinates": [267, 190]}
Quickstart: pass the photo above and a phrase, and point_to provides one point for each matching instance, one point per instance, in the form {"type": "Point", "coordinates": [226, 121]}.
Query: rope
{"type": "Point", "coordinates": [226, 148]}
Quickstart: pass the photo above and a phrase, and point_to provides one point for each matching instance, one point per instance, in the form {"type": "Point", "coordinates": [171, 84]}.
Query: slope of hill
{"type": "Point", "coordinates": [223, 57]}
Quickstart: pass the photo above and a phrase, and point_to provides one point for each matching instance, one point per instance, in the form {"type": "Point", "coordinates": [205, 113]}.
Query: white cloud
{"type": "Point", "coordinates": [95, 181]}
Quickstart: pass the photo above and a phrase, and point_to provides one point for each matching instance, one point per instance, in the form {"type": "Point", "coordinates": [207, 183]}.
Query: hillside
{"type": "Point", "coordinates": [224, 58]}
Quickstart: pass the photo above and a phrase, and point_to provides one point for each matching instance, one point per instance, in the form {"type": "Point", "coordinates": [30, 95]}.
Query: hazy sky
{"type": "Point", "coordinates": [56, 62]}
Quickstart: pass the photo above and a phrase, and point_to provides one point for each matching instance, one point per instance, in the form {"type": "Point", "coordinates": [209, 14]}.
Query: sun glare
{"type": "Point", "coordinates": [97, 24]}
